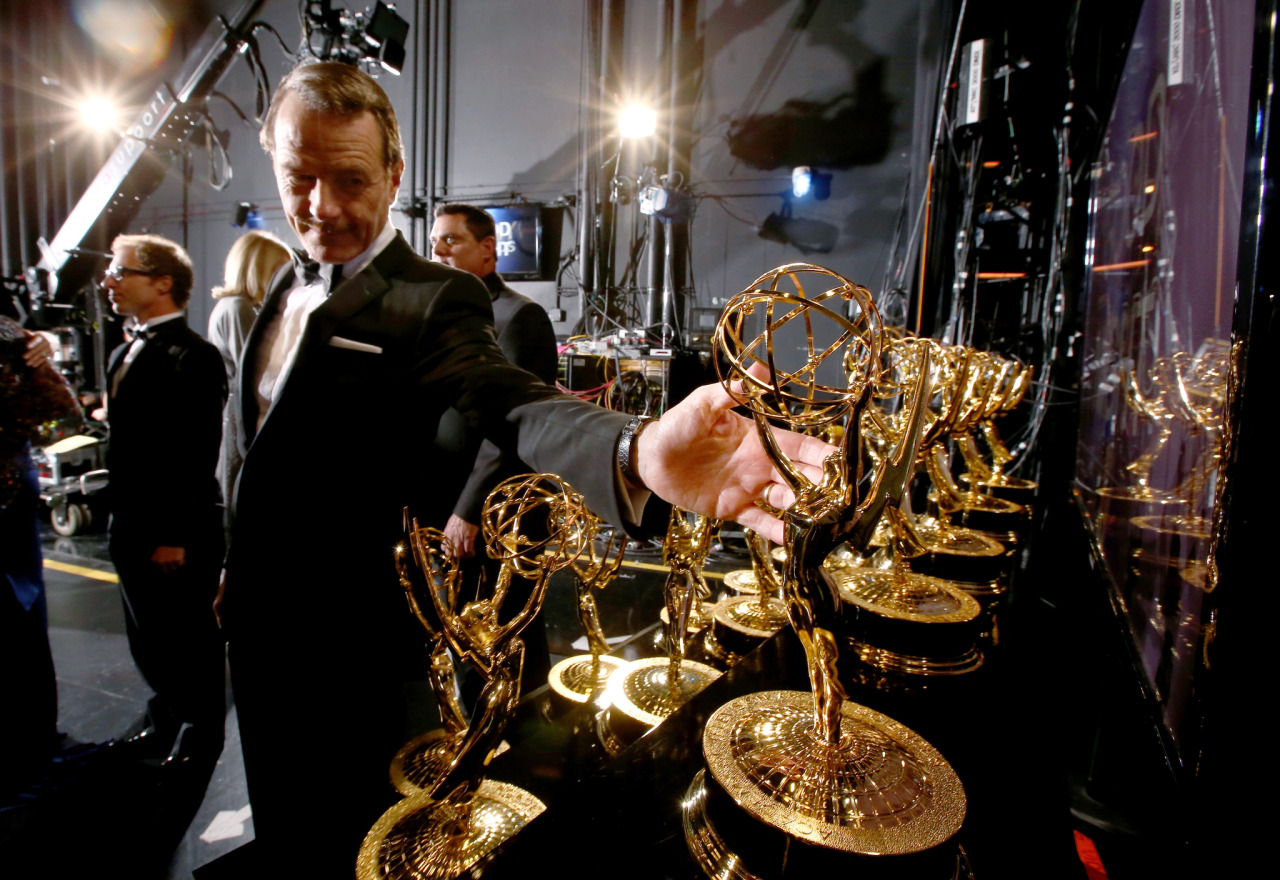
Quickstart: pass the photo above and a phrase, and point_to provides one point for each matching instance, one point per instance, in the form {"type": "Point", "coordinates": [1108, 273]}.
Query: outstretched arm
{"type": "Point", "coordinates": [702, 456]}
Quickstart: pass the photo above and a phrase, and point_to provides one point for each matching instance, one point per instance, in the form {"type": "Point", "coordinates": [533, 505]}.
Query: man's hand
{"type": "Point", "coordinates": [703, 457]}
{"type": "Point", "coordinates": [169, 559]}
{"type": "Point", "coordinates": [463, 535]}
{"type": "Point", "coordinates": [39, 351]}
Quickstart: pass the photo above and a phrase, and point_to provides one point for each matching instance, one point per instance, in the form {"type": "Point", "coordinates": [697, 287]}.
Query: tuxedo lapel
{"type": "Point", "coordinates": [113, 363]}
{"type": "Point", "coordinates": [350, 296]}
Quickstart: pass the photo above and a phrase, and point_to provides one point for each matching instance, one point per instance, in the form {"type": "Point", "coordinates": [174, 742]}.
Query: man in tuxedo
{"type": "Point", "coordinates": [344, 379]}
{"type": "Point", "coordinates": [166, 389]}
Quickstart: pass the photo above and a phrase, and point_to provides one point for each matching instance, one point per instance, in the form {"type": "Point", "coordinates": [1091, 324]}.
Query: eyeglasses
{"type": "Point", "coordinates": [449, 239]}
{"type": "Point", "coordinates": [120, 273]}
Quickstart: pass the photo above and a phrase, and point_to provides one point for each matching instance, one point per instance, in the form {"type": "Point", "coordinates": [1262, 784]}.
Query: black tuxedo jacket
{"type": "Point", "coordinates": [321, 638]}
{"type": "Point", "coordinates": [166, 426]}
{"type": "Point", "coordinates": [349, 441]}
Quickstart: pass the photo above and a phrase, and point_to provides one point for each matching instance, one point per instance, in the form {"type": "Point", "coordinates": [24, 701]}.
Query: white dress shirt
{"type": "Point", "coordinates": [280, 338]}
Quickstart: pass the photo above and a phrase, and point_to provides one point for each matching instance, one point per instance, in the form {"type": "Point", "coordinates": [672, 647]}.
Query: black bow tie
{"type": "Point", "coordinates": [309, 273]}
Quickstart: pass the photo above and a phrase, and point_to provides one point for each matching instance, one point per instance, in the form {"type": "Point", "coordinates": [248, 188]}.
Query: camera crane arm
{"type": "Point", "coordinates": [136, 167]}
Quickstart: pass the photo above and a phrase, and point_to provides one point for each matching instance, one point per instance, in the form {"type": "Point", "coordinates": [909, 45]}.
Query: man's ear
{"type": "Point", "coordinates": [397, 171]}
{"type": "Point", "coordinates": [490, 245]}
{"type": "Point", "coordinates": [164, 284]}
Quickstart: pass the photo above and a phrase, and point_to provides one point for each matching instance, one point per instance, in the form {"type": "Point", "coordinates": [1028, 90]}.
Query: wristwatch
{"type": "Point", "coordinates": [627, 449]}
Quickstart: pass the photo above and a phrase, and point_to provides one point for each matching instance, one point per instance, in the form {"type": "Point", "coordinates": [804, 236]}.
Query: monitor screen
{"type": "Point", "coordinates": [519, 229]}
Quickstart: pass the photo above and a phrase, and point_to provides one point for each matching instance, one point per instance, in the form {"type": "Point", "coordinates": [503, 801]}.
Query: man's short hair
{"type": "Point", "coordinates": [334, 87]}
{"type": "Point", "coordinates": [157, 256]}
{"type": "Point", "coordinates": [479, 223]}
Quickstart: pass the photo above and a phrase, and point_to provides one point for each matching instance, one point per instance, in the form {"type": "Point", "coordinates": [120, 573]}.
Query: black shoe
{"type": "Point", "coordinates": [143, 743]}
{"type": "Point", "coordinates": [195, 746]}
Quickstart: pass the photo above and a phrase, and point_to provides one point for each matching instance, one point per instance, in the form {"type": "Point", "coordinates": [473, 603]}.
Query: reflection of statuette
{"type": "Point", "coordinates": [1159, 409]}
{"type": "Point", "coordinates": [533, 525]}
{"type": "Point", "coordinates": [1197, 399]}
{"type": "Point", "coordinates": [787, 770]}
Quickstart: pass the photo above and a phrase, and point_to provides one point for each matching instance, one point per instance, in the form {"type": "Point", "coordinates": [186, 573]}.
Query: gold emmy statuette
{"type": "Point", "coordinates": [970, 507]}
{"type": "Point", "coordinates": [426, 562]}
{"type": "Point", "coordinates": [740, 622]}
{"type": "Point", "coordinates": [533, 525]}
{"type": "Point", "coordinates": [930, 544]}
{"type": "Point", "coordinates": [1008, 382]}
{"type": "Point", "coordinates": [580, 678]}
{"type": "Point", "coordinates": [898, 620]}
{"type": "Point", "coordinates": [644, 692]}
{"type": "Point", "coordinates": [803, 781]}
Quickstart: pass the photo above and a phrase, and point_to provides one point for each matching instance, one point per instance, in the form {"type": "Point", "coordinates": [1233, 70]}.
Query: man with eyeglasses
{"type": "Point", "coordinates": [465, 237]}
{"type": "Point", "coordinates": [165, 392]}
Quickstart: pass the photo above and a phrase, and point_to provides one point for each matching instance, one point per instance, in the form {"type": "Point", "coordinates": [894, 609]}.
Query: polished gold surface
{"type": "Point", "coordinates": [649, 690]}
{"type": "Point", "coordinates": [717, 859]}
{"type": "Point", "coordinates": [815, 766]}
{"type": "Point", "coordinates": [750, 616]}
{"type": "Point", "coordinates": [904, 595]}
{"type": "Point", "coordinates": [954, 378]}
{"type": "Point", "coordinates": [880, 789]}
{"type": "Point", "coordinates": [534, 525]}
{"type": "Point", "coordinates": [742, 581]}
{"type": "Point", "coordinates": [426, 562]}
{"type": "Point", "coordinates": [640, 690]}
{"type": "Point", "coordinates": [421, 838]}
{"type": "Point", "coordinates": [577, 678]}
{"type": "Point", "coordinates": [424, 759]}
{"type": "Point", "coordinates": [758, 616]}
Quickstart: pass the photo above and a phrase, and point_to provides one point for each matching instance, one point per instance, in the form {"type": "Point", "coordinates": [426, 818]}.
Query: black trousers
{"type": "Point", "coordinates": [173, 635]}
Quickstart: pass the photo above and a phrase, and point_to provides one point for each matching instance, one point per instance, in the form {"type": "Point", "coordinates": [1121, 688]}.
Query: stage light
{"type": "Point", "coordinates": [807, 182]}
{"type": "Point", "coordinates": [635, 121]}
{"type": "Point", "coordinates": [386, 33]}
{"type": "Point", "coordinates": [99, 113]}
{"type": "Point", "coordinates": [653, 200]}
{"type": "Point", "coordinates": [801, 180]}
{"type": "Point", "coordinates": [248, 215]}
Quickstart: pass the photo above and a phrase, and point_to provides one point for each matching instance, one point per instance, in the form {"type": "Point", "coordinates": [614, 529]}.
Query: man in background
{"type": "Point", "coordinates": [465, 238]}
{"type": "Point", "coordinates": [166, 389]}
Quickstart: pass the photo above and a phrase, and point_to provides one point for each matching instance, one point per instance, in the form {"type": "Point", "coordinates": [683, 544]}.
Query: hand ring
{"type": "Point", "coordinates": [768, 489]}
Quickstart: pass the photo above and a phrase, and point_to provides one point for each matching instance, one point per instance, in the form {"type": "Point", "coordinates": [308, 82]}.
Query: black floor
{"type": "Point", "coordinates": [97, 811]}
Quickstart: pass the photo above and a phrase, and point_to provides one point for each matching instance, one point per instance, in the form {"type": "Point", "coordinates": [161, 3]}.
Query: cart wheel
{"type": "Point", "coordinates": [68, 519]}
